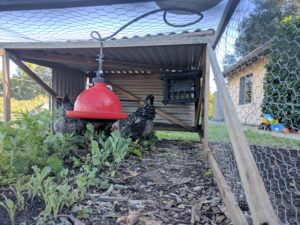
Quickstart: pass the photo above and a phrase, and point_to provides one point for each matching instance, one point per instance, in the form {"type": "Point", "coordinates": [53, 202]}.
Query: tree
{"type": "Point", "coordinates": [282, 79]}
{"type": "Point", "coordinates": [24, 88]}
{"type": "Point", "coordinates": [229, 59]}
{"type": "Point", "coordinates": [262, 24]}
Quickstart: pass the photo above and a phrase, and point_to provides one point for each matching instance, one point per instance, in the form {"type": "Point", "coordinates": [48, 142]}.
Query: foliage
{"type": "Point", "coordinates": [29, 141]}
{"type": "Point", "coordinates": [260, 26]}
{"type": "Point", "coordinates": [18, 189]}
{"type": "Point", "coordinates": [10, 207]}
{"type": "Point", "coordinates": [28, 144]}
{"type": "Point", "coordinates": [210, 105]}
{"type": "Point", "coordinates": [56, 197]}
{"type": "Point", "coordinates": [36, 180]}
{"type": "Point", "coordinates": [281, 82]}
{"type": "Point", "coordinates": [24, 88]}
{"type": "Point", "coordinates": [23, 106]}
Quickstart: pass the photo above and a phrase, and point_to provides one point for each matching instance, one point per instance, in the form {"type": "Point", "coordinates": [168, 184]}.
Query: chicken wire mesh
{"type": "Point", "coordinates": [76, 24]}
{"type": "Point", "coordinates": [260, 56]}
{"type": "Point", "coordinates": [259, 52]}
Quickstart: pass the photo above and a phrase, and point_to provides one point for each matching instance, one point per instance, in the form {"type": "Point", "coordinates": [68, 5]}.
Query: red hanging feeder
{"type": "Point", "coordinates": [98, 102]}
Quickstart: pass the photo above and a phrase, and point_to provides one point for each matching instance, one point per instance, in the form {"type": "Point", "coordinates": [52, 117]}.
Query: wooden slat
{"type": "Point", "coordinates": [6, 87]}
{"type": "Point", "coordinates": [200, 101]}
{"type": "Point", "coordinates": [232, 207]}
{"type": "Point", "coordinates": [158, 110]}
{"type": "Point", "coordinates": [201, 37]}
{"type": "Point", "coordinates": [206, 101]}
{"type": "Point", "coordinates": [257, 197]}
{"type": "Point", "coordinates": [35, 77]}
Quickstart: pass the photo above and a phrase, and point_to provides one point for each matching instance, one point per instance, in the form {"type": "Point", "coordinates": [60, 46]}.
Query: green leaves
{"type": "Point", "coordinates": [10, 207]}
{"type": "Point", "coordinates": [281, 93]}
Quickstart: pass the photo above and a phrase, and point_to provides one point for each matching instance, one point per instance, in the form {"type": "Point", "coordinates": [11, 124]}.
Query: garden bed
{"type": "Point", "coordinates": [171, 184]}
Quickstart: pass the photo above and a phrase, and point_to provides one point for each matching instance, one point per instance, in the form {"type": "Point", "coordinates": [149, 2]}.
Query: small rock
{"type": "Point", "coordinates": [198, 188]}
{"type": "Point", "coordinates": [181, 206]}
{"type": "Point", "coordinates": [136, 204]}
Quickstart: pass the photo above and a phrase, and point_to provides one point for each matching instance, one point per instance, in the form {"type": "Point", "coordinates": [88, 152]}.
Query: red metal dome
{"type": "Point", "coordinates": [98, 102]}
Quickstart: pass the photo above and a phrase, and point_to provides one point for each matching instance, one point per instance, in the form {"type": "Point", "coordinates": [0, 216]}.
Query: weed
{"type": "Point", "coordinates": [36, 180]}
{"type": "Point", "coordinates": [56, 197]}
{"type": "Point", "coordinates": [10, 207]}
{"type": "Point", "coordinates": [17, 189]}
{"type": "Point", "coordinates": [208, 173]}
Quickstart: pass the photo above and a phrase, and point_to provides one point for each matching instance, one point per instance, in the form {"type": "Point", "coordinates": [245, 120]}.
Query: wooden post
{"type": "Point", "coordinates": [35, 77]}
{"type": "Point", "coordinates": [257, 197]}
{"type": "Point", "coordinates": [6, 87]}
{"type": "Point", "coordinates": [206, 101]}
{"type": "Point", "coordinates": [234, 211]}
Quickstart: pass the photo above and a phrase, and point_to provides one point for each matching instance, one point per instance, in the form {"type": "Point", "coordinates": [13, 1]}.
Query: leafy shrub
{"type": "Point", "coordinates": [28, 142]}
{"type": "Point", "coordinates": [281, 83]}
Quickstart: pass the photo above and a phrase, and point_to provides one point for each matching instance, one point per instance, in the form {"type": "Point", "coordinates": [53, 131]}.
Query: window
{"type": "Point", "coordinates": [245, 89]}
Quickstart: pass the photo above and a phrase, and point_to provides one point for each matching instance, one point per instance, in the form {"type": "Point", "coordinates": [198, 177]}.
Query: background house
{"type": "Point", "coordinates": [245, 84]}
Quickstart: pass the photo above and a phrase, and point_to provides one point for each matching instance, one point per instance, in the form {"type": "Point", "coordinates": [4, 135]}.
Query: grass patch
{"type": "Point", "coordinates": [218, 132]}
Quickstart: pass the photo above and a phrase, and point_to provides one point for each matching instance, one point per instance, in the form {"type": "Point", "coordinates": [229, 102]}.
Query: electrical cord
{"type": "Point", "coordinates": [96, 35]}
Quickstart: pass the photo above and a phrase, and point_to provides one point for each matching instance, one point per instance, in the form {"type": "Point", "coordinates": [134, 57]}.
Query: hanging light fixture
{"type": "Point", "coordinates": [98, 102]}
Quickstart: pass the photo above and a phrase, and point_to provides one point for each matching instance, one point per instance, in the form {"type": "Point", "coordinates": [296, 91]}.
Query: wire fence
{"type": "Point", "coordinates": [260, 56]}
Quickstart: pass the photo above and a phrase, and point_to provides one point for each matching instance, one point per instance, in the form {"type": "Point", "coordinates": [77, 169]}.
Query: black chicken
{"type": "Point", "coordinates": [140, 123]}
{"type": "Point", "coordinates": [65, 124]}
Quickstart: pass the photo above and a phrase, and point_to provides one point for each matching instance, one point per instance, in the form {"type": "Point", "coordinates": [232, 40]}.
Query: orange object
{"type": "Point", "coordinates": [98, 102]}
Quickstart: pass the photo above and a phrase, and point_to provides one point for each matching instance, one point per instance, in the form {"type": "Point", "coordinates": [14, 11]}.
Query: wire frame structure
{"type": "Point", "coordinates": [260, 56]}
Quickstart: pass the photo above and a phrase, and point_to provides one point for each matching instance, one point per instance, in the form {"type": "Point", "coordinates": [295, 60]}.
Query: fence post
{"type": "Point", "coordinates": [257, 197]}
{"type": "Point", "coordinates": [6, 86]}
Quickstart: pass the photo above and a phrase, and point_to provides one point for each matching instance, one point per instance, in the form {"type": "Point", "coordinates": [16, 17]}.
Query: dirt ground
{"type": "Point", "coordinates": [172, 185]}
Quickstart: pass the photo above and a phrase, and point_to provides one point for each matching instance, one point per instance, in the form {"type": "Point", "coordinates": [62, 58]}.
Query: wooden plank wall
{"type": "Point", "coordinates": [143, 85]}
{"type": "Point", "coordinates": [68, 81]}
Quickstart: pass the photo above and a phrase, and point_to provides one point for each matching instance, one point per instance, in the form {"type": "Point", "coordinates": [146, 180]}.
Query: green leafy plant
{"type": "Point", "coordinates": [56, 197]}
{"type": "Point", "coordinates": [36, 180]}
{"type": "Point", "coordinates": [10, 207]}
{"type": "Point", "coordinates": [281, 84]}
{"type": "Point", "coordinates": [18, 189]}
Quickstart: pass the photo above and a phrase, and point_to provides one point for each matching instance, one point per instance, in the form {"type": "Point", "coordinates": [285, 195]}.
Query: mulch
{"type": "Point", "coordinates": [171, 184]}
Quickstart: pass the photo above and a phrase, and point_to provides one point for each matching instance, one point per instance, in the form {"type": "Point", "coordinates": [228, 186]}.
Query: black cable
{"type": "Point", "coordinates": [95, 34]}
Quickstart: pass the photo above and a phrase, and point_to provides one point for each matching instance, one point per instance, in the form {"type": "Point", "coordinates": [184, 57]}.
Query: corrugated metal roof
{"type": "Point", "coordinates": [250, 58]}
{"type": "Point", "coordinates": [150, 59]}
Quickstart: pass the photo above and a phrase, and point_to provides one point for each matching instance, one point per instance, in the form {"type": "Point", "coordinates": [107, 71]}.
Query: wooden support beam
{"type": "Point", "coordinates": [227, 14]}
{"type": "Point", "coordinates": [1, 52]}
{"type": "Point", "coordinates": [6, 86]}
{"type": "Point", "coordinates": [206, 101]}
{"type": "Point", "coordinates": [201, 97]}
{"type": "Point", "coordinates": [192, 38]}
{"type": "Point", "coordinates": [89, 61]}
{"type": "Point", "coordinates": [35, 77]}
{"type": "Point", "coordinates": [257, 197]}
{"type": "Point", "coordinates": [232, 207]}
{"type": "Point", "coordinates": [157, 110]}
